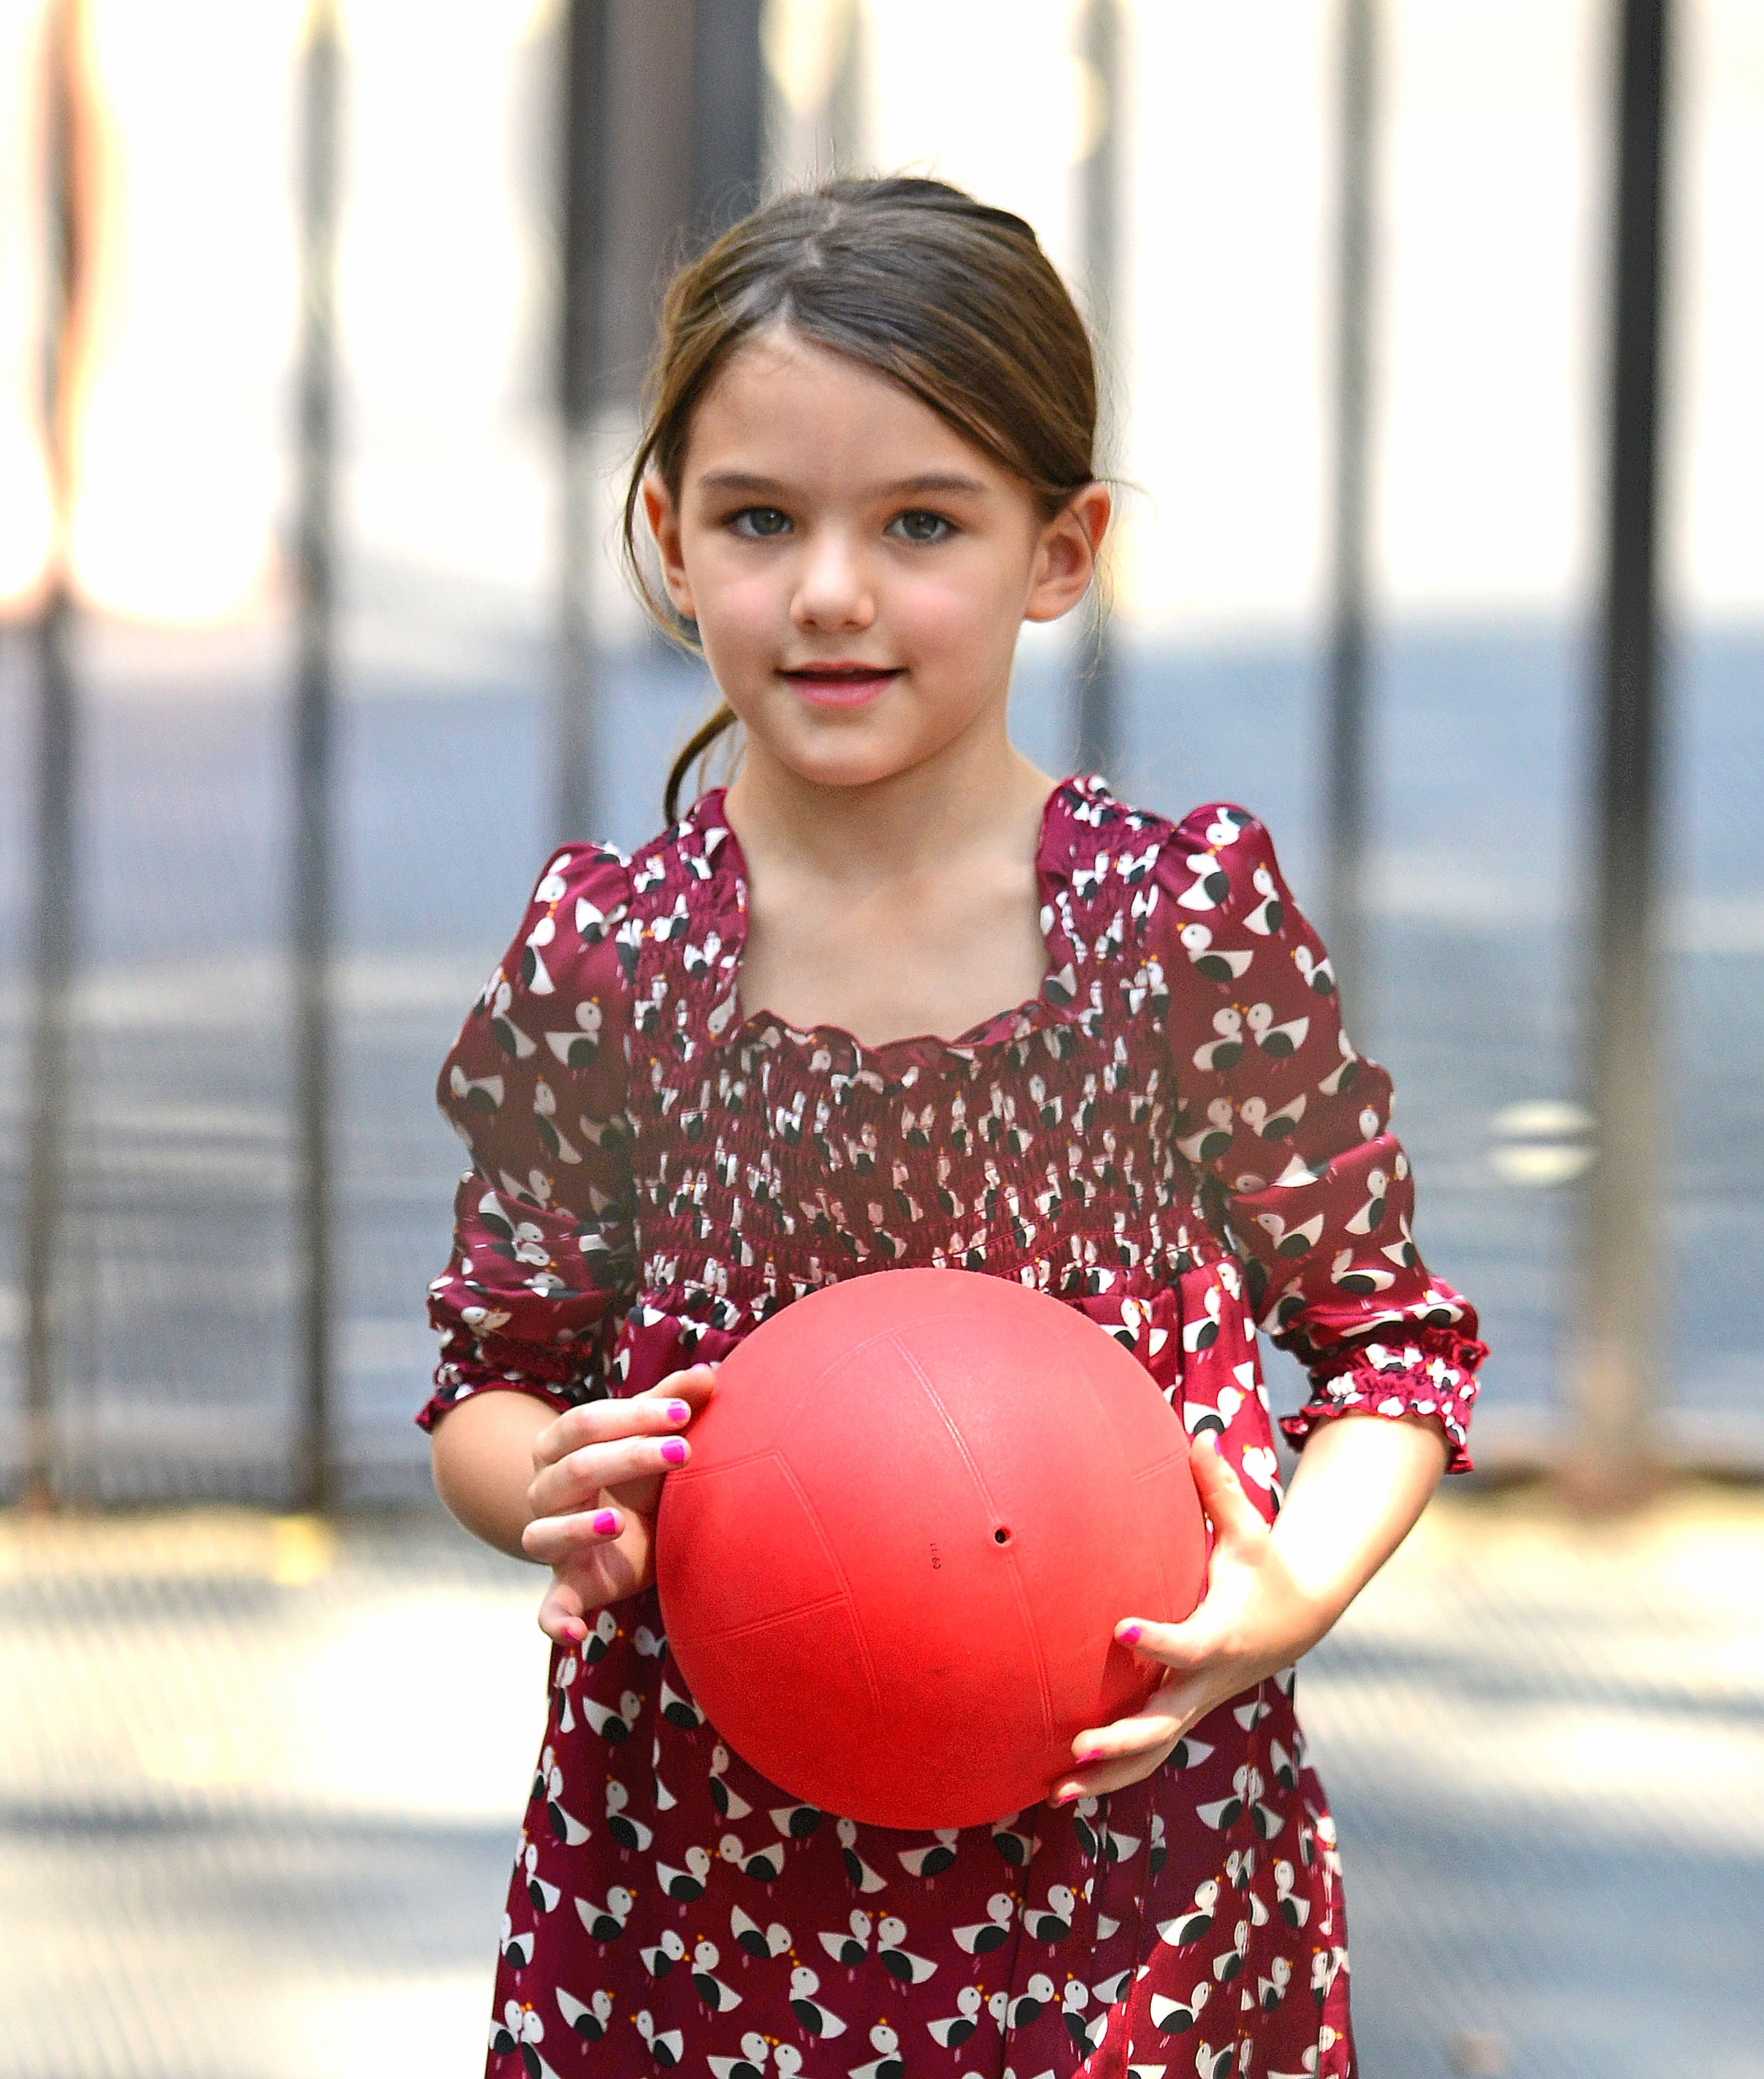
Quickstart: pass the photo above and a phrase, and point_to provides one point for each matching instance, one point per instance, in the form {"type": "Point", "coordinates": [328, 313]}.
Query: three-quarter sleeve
{"type": "Point", "coordinates": [535, 1085]}
{"type": "Point", "coordinates": [1292, 1124]}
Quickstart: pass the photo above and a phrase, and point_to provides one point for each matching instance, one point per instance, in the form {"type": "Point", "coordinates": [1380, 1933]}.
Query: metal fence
{"type": "Point", "coordinates": [250, 876]}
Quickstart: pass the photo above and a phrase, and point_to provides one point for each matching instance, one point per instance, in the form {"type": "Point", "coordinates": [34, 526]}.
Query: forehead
{"type": "Point", "coordinates": [783, 407]}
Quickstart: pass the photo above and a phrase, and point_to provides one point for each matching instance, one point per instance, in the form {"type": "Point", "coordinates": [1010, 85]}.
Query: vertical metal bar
{"type": "Point", "coordinates": [728, 112]}
{"type": "Point", "coordinates": [314, 755]}
{"type": "Point", "coordinates": [53, 946]}
{"type": "Point", "coordinates": [586, 54]}
{"type": "Point", "coordinates": [1612, 1368]}
{"type": "Point", "coordinates": [1098, 728]}
{"type": "Point", "coordinates": [1346, 788]}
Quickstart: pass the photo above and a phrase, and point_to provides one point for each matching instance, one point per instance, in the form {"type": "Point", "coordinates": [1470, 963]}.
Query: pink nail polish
{"type": "Point", "coordinates": [1089, 1754]}
{"type": "Point", "coordinates": [678, 1411]}
{"type": "Point", "coordinates": [1128, 1634]}
{"type": "Point", "coordinates": [673, 1451]}
{"type": "Point", "coordinates": [605, 1522]}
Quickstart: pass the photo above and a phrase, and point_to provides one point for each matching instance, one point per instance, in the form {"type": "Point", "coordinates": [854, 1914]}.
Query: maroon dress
{"type": "Point", "coordinates": [1175, 1137]}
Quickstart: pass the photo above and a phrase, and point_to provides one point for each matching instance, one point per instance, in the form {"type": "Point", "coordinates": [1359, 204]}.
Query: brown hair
{"type": "Point", "coordinates": [955, 301]}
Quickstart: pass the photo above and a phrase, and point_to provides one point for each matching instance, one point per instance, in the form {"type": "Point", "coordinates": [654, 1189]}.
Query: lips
{"type": "Point", "coordinates": [844, 682]}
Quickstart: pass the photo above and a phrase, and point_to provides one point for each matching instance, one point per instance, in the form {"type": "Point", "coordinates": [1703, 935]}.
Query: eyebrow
{"type": "Point", "coordinates": [933, 480]}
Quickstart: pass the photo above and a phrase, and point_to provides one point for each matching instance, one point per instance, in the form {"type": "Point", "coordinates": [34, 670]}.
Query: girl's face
{"type": "Point", "coordinates": [858, 570]}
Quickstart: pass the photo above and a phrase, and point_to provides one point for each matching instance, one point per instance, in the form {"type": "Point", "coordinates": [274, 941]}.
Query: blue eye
{"type": "Point", "coordinates": [760, 523]}
{"type": "Point", "coordinates": [920, 527]}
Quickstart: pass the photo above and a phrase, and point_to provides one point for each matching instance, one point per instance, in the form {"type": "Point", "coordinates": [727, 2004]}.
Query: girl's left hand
{"type": "Point", "coordinates": [1255, 1619]}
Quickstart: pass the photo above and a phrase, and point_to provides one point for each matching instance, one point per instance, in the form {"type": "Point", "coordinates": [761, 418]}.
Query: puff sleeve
{"type": "Point", "coordinates": [1292, 1125]}
{"type": "Point", "coordinates": [535, 1085]}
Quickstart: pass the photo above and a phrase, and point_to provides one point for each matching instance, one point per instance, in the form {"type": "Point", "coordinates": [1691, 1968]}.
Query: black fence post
{"type": "Point", "coordinates": [586, 97]}
{"type": "Point", "coordinates": [729, 112]}
{"type": "Point", "coordinates": [1612, 1363]}
{"type": "Point", "coordinates": [314, 760]}
{"type": "Point", "coordinates": [57, 752]}
{"type": "Point", "coordinates": [1345, 784]}
{"type": "Point", "coordinates": [1099, 722]}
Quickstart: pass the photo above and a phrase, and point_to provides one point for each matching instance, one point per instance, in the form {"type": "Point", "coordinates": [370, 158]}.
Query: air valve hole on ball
{"type": "Point", "coordinates": [1001, 1536]}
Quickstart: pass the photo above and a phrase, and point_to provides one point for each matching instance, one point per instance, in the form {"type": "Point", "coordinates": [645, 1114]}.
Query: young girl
{"type": "Point", "coordinates": [769, 1051]}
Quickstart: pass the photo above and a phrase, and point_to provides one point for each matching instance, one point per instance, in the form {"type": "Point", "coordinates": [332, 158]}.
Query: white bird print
{"type": "Point", "coordinates": [756, 1940]}
{"type": "Point", "coordinates": [1029, 2004]}
{"type": "Point", "coordinates": [709, 1988]}
{"type": "Point", "coordinates": [1186, 1927]}
{"type": "Point", "coordinates": [954, 2030]}
{"type": "Point", "coordinates": [932, 1860]}
{"type": "Point", "coordinates": [517, 1948]}
{"type": "Point", "coordinates": [726, 1800]}
{"type": "Point", "coordinates": [1053, 1922]}
{"type": "Point", "coordinates": [1271, 1990]}
{"type": "Point", "coordinates": [763, 1865]}
{"type": "Point", "coordinates": [679, 1710]}
{"type": "Point", "coordinates": [1218, 963]}
{"type": "Point", "coordinates": [588, 2020]}
{"type": "Point", "coordinates": [1173, 2016]}
{"type": "Point", "coordinates": [817, 2019]}
{"type": "Point", "coordinates": [660, 1960]}
{"type": "Point", "coordinates": [852, 1947]}
{"type": "Point", "coordinates": [613, 1726]}
{"type": "Point", "coordinates": [606, 1923]}
{"type": "Point", "coordinates": [628, 1832]}
{"type": "Point", "coordinates": [855, 1867]}
{"type": "Point", "coordinates": [544, 1896]}
{"type": "Point", "coordinates": [890, 1933]}
{"type": "Point", "coordinates": [1277, 1040]}
{"type": "Point", "coordinates": [688, 1883]}
{"type": "Point", "coordinates": [665, 2049]}
{"type": "Point", "coordinates": [992, 1933]}
{"type": "Point", "coordinates": [1015, 1848]}
{"type": "Point", "coordinates": [750, 2064]}
{"type": "Point", "coordinates": [889, 2064]}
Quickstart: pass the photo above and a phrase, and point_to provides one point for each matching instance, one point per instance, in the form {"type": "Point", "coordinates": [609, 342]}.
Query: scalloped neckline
{"type": "Point", "coordinates": [1016, 1022]}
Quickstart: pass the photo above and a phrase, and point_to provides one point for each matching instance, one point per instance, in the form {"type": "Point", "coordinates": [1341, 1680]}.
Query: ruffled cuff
{"type": "Point", "coordinates": [465, 1370]}
{"type": "Point", "coordinates": [1433, 1377]}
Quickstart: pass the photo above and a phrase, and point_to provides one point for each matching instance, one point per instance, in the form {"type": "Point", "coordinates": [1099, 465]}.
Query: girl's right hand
{"type": "Point", "coordinates": [597, 1483]}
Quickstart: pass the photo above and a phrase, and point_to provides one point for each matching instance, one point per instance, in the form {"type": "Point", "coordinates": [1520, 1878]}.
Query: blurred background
{"type": "Point", "coordinates": [1430, 330]}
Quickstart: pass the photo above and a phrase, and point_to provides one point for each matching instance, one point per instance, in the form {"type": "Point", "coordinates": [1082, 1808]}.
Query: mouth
{"type": "Point", "coordinates": [844, 683]}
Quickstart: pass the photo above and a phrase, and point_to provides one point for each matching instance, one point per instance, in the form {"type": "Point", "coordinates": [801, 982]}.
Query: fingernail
{"type": "Point", "coordinates": [605, 1521]}
{"type": "Point", "coordinates": [673, 1451]}
{"type": "Point", "coordinates": [1065, 1798]}
{"type": "Point", "coordinates": [1090, 1753]}
{"type": "Point", "coordinates": [678, 1411]}
{"type": "Point", "coordinates": [1129, 1634]}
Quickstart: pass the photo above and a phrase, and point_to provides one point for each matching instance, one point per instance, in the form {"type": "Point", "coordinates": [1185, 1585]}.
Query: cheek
{"type": "Point", "coordinates": [959, 614]}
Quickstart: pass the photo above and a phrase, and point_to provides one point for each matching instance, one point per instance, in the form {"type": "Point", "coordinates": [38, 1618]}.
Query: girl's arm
{"type": "Point", "coordinates": [480, 1453]}
{"type": "Point", "coordinates": [1271, 1594]}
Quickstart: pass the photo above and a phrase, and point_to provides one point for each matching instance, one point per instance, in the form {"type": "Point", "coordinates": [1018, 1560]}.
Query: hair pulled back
{"type": "Point", "coordinates": [954, 300]}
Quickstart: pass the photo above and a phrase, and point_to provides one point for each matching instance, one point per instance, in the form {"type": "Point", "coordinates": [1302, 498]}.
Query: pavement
{"type": "Point", "coordinates": [260, 1777]}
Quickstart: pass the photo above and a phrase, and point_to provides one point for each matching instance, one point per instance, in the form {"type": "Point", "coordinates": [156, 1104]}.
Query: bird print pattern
{"type": "Point", "coordinates": [1176, 1137]}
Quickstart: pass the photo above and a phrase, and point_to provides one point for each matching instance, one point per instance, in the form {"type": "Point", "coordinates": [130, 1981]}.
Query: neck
{"type": "Point", "coordinates": [971, 795]}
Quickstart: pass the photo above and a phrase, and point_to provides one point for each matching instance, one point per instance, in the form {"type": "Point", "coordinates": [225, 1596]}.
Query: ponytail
{"type": "Point", "coordinates": [697, 745]}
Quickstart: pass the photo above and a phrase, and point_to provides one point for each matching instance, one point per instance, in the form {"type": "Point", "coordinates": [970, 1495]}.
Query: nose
{"type": "Point", "coordinates": [833, 588]}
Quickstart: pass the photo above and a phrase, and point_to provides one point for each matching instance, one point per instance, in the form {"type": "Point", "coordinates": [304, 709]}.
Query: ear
{"type": "Point", "coordinates": [1066, 555]}
{"type": "Point", "coordinates": [661, 509]}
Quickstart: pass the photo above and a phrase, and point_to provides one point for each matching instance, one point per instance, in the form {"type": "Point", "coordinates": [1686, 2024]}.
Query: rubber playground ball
{"type": "Point", "coordinates": [918, 1505]}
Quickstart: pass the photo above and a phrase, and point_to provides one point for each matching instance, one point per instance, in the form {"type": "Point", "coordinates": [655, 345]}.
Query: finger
{"type": "Point", "coordinates": [553, 1539]}
{"type": "Point", "coordinates": [578, 1481]}
{"type": "Point", "coordinates": [667, 1406]}
{"type": "Point", "coordinates": [563, 1615]}
{"type": "Point", "coordinates": [1183, 1646]}
{"type": "Point", "coordinates": [1231, 1512]}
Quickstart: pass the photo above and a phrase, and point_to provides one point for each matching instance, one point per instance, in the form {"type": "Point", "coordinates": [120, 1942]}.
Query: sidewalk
{"type": "Point", "coordinates": [260, 1780]}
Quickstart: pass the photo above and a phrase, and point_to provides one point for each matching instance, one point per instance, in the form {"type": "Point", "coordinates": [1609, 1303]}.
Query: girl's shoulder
{"type": "Point", "coordinates": [1213, 859]}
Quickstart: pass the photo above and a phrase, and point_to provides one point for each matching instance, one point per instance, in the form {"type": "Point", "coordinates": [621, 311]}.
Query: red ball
{"type": "Point", "coordinates": [918, 1505]}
